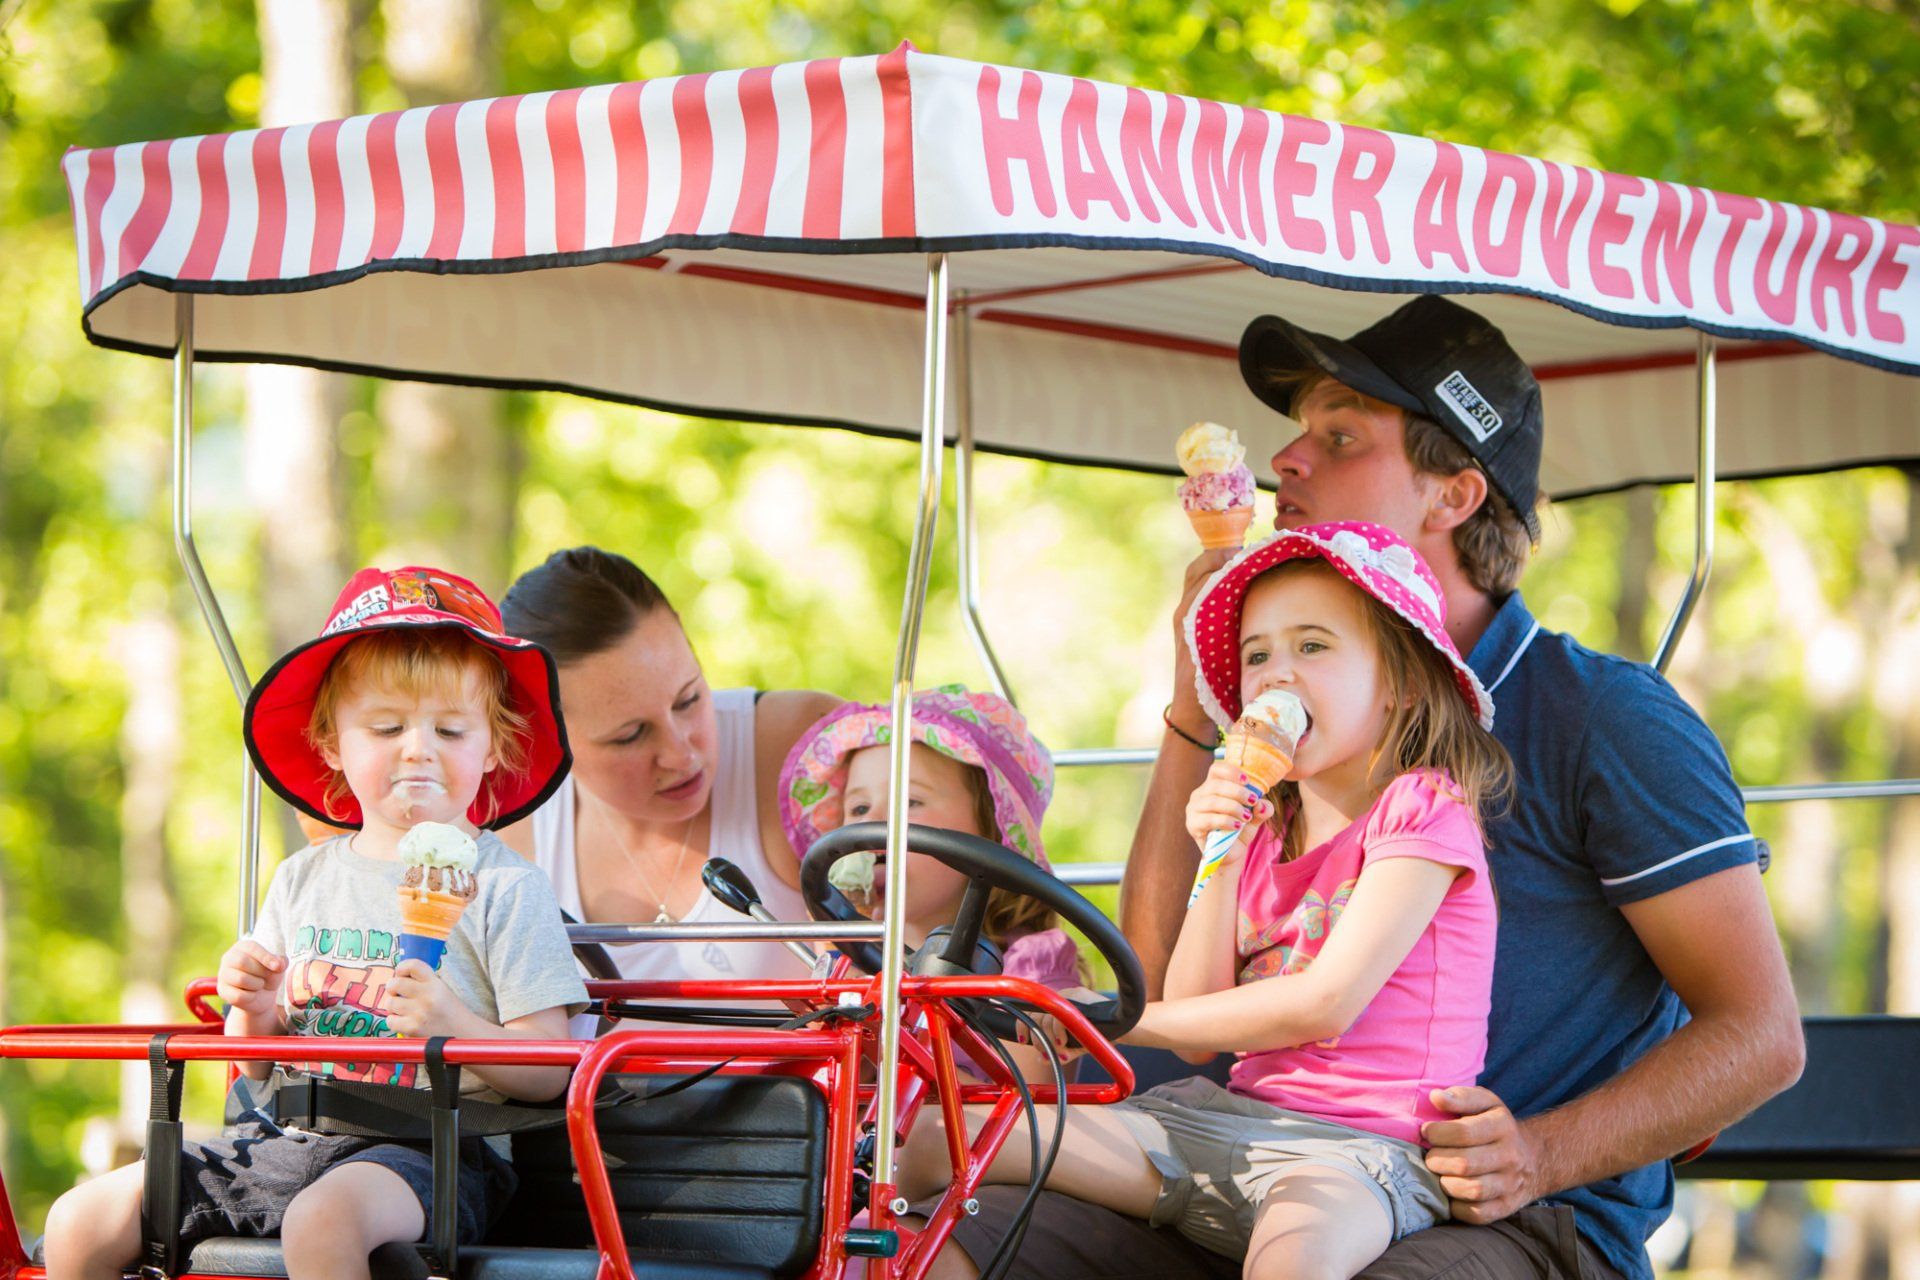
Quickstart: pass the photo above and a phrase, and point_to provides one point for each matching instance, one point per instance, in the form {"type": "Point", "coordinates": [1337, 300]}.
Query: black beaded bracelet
{"type": "Point", "coordinates": [1166, 715]}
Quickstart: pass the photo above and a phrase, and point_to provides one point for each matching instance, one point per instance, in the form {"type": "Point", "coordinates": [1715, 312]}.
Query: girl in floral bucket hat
{"type": "Point", "coordinates": [976, 768]}
{"type": "Point", "coordinates": [1344, 951]}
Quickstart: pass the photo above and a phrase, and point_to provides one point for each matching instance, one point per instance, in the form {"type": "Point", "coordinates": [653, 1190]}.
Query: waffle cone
{"type": "Point", "coordinates": [1265, 762]}
{"type": "Point", "coordinates": [430, 913]}
{"type": "Point", "coordinates": [1219, 529]}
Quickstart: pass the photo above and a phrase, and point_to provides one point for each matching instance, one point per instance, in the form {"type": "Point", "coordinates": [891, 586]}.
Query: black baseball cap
{"type": "Point", "coordinates": [1432, 357]}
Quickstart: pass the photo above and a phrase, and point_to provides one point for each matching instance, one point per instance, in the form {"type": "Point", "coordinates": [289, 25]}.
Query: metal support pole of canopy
{"type": "Point", "coordinates": [1793, 792]}
{"type": "Point", "coordinates": [209, 603]}
{"type": "Point", "coordinates": [727, 930]}
{"type": "Point", "coordinates": [1096, 757]}
{"type": "Point", "coordinates": [969, 545]}
{"type": "Point", "coordinates": [932, 444]}
{"type": "Point", "coordinates": [1702, 509]}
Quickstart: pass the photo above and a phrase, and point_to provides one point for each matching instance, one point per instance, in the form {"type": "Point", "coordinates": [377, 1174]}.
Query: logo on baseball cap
{"type": "Point", "coordinates": [1432, 357]}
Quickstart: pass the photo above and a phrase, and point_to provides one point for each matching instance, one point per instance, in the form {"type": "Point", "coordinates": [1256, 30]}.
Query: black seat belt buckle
{"type": "Point", "coordinates": [298, 1102]}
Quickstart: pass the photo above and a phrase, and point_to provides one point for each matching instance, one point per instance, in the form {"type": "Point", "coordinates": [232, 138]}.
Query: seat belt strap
{"type": "Point", "coordinates": [444, 1077]}
{"type": "Point", "coordinates": [160, 1203]}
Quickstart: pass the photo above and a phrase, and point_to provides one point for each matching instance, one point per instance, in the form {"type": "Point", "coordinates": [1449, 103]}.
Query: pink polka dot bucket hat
{"type": "Point", "coordinates": [1372, 557]}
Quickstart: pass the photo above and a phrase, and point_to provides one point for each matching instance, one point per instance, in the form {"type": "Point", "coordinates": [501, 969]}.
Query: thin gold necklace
{"type": "Point", "coordinates": [663, 916]}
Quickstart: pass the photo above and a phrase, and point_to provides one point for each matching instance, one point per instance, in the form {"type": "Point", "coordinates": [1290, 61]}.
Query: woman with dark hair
{"type": "Point", "coordinates": [666, 772]}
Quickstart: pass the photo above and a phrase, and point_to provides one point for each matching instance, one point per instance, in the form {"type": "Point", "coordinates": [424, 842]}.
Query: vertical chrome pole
{"type": "Point", "coordinates": [203, 594]}
{"type": "Point", "coordinates": [1703, 507]}
{"type": "Point", "coordinates": [969, 546]}
{"type": "Point", "coordinates": [932, 444]}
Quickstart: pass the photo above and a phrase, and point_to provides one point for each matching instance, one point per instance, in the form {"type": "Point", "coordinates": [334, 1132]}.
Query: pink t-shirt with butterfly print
{"type": "Point", "coordinates": [1427, 1028]}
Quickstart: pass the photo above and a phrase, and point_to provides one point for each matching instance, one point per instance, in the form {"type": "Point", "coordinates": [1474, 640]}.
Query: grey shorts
{"type": "Point", "coordinates": [1219, 1155]}
{"type": "Point", "coordinates": [242, 1185]}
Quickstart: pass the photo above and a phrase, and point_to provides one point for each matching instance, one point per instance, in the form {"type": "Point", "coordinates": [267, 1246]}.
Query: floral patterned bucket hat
{"type": "Point", "coordinates": [1370, 556]}
{"type": "Point", "coordinates": [978, 729]}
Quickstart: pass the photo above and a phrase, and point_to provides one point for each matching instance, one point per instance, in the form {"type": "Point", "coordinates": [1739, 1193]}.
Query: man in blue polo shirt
{"type": "Point", "coordinates": [1641, 1001]}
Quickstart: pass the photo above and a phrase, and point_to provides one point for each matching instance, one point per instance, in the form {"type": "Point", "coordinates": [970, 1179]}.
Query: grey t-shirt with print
{"type": "Point", "coordinates": [335, 916]}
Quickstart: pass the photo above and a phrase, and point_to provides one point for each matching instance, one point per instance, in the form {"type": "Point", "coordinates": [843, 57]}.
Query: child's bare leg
{"type": "Point", "coordinates": [93, 1231]}
{"type": "Point", "coordinates": [1320, 1223]}
{"type": "Point", "coordinates": [349, 1211]}
{"type": "Point", "coordinates": [1099, 1160]}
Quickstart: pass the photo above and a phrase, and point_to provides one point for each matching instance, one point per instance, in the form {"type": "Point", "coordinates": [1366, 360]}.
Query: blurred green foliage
{"type": "Point", "coordinates": [785, 549]}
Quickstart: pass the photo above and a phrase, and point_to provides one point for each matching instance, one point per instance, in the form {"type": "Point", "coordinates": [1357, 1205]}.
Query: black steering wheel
{"type": "Point", "coordinates": [987, 866]}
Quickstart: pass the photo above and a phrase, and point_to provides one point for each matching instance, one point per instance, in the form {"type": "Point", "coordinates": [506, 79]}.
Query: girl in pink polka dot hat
{"type": "Point", "coordinates": [1343, 953]}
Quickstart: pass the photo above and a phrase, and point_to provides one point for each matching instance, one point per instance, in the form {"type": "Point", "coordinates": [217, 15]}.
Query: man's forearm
{"type": "Point", "coordinates": [1204, 958]}
{"type": "Point", "coordinates": [1163, 859]}
{"type": "Point", "coordinates": [1694, 1084]}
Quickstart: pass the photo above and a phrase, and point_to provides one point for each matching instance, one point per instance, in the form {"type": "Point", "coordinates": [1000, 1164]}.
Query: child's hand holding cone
{"type": "Point", "coordinates": [420, 1004]}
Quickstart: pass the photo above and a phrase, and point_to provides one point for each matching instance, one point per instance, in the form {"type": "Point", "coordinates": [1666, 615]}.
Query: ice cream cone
{"type": "Point", "coordinates": [427, 920]}
{"type": "Point", "coordinates": [1263, 760]}
{"type": "Point", "coordinates": [1221, 528]}
{"type": "Point", "coordinates": [1260, 745]}
{"type": "Point", "coordinates": [438, 885]}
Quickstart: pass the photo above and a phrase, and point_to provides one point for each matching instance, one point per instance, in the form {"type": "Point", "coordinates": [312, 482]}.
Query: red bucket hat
{"type": "Point", "coordinates": [281, 705]}
{"type": "Point", "coordinates": [1373, 558]}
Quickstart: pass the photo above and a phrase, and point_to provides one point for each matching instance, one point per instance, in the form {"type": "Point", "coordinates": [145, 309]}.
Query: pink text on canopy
{"type": "Point", "coordinates": [1101, 160]}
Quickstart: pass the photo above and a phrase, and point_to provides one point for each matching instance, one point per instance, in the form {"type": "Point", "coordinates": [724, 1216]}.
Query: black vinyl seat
{"type": "Point", "coordinates": [729, 1170]}
{"type": "Point", "coordinates": [1853, 1116]}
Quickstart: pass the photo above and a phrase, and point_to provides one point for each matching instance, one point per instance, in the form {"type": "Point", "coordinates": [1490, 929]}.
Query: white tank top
{"type": "Point", "coordinates": [735, 837]}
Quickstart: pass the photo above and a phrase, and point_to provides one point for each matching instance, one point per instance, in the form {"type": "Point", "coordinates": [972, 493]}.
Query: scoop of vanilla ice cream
{"type": "Point", "coordinates": [1278, 712]}
{"type": "Point", "coordinates": [1208, 446]}
{"type": "Point", "coordinates": [853, 873]}
{"type": "Point", "coordinates": [439, 844]}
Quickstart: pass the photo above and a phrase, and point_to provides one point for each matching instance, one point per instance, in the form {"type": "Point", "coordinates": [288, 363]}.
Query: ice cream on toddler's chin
{"type": "Point", "coordinates": [853, 876]}
{"type": "Point", "coordinates": [437, 888]}
{"type": "Point", "coordinates": [1217, 494]}
{"type": "Point", "coordinates": [417, 792]}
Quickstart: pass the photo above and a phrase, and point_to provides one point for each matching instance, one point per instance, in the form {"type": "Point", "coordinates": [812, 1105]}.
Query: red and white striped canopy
{"type": "Point", "coordinates": [750, 244]}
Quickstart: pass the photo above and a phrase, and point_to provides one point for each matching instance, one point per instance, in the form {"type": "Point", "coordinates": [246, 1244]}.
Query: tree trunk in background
{"type": "Point", "coordinates": [446, 468]}
{"type": "Point", "coordinates": [293, 415]}
{"type": "Point", "coordinates": [1637, 551]}
{"type": "Point", "coordinates": [446, 475]}
{"type": "Point", "coordinates": [150, 744]}
{"type": "Point", "coordinates": [1807, 870]}
{"type": "Point", "coordinates": [6, 1010]}
{"type": "Point", "coordinates": [1716, 1244]}
{"type": "Point", "coordinates": [1900, 705]}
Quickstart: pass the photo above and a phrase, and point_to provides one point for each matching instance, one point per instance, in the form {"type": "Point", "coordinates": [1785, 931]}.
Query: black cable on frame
{"type": "Point", "coordinates": [1039, 1166]}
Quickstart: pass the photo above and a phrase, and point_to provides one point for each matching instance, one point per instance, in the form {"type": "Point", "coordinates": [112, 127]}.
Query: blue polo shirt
{"type": "Point", "coordinates": [1621, 792]}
